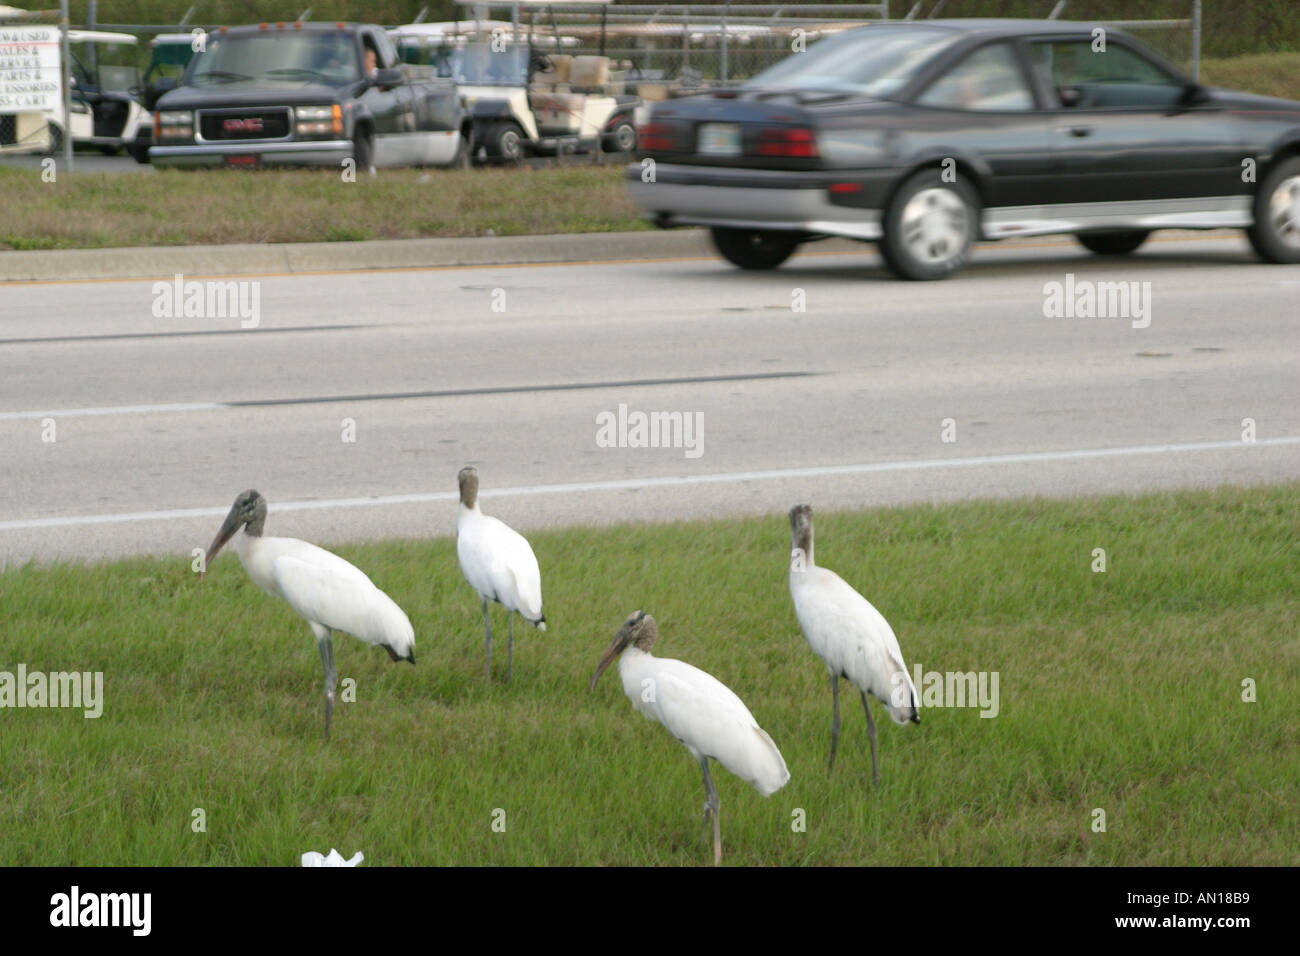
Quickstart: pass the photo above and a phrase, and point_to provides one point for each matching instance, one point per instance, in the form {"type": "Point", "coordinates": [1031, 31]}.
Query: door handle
{"type": "Point", "coordinates": [1077, 131]}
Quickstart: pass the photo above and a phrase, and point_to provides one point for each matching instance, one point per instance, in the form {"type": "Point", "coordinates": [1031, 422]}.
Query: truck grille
{"type": "Point", "coordinates": [236, 124]}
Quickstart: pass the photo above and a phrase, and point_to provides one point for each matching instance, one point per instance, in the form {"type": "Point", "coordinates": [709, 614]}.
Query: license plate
{"type": "Point", "coordinates": [244, 161]}
{"type": "Point", "coordinates": [719, 139]}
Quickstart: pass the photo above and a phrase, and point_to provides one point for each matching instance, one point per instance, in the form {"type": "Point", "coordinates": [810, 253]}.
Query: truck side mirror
{"type": "Point", "coordinates": [386, 79]}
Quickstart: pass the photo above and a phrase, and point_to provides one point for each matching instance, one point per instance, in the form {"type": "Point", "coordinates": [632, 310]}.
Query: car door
{"type": "Point", "coordinates": [391, 107]}
{"type": "Point", "coordinates": [984, 109]}
{"type": "Point", "coordinates": [1125, 130]}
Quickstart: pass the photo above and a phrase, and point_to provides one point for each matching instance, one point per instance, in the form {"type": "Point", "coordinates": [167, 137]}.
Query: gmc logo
{"type": "Point", "coordinates": [250, 125]}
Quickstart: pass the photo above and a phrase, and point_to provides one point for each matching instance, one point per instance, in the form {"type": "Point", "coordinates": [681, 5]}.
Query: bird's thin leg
{"type": "Point", "coordinates": [331, 678]}
{"type": "Point", "coordinates": [712, 808]}
{"type": "Point", "coordinates": [487, 631]}
{"type": "Point", "coordinates": [871, 736]}
{"type": "Point", "coordinates": [510, 650]}
{"type": "Point", "coordinates": [835, 719]}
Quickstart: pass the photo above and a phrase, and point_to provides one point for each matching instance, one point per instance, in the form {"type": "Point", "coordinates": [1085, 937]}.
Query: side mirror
{"type": "Point", "coordinates": [1069, 95]}
{"type": "Point", "coordinates": [1194, 95]}
{"type": "Point", "coordinates": [387, 79]}
{"type": "Point", "coordinates": [154, 91]}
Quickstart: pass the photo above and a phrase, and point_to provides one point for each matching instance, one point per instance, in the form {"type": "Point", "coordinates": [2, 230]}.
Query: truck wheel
{"type": "Point", "coordinates": [362, 152]}
{"type": "Point", "coordinates": [622, 139]}
{"type": "Point", "coordinates": [505, 141]}
{"type": "Point", "coordinates": [462, 157]}
{"type": "Point", "coordinates": [140, 154]}
{"type": "Point", "coordinates": [754, 248]}
{"type": "Point", "coordinates": [1275, 233]}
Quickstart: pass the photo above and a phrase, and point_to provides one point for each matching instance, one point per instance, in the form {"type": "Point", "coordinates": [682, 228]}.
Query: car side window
{"type": "Point", "coordinates": [988, 79]}
{"type": "Point", "coordinates": [1085, 76]}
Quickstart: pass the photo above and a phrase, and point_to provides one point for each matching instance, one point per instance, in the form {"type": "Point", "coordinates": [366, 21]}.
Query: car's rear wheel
{"type": "Point", "coordinates": [1275, 234]}
{"type": "Point", "coordinates": [1113, 243]}
{"type": "Point", "coordinates": [754, 248]}
{"type": "Point", "coordinates": [505, 142]}
{"type": "Point", "coordinates": [929, 227]}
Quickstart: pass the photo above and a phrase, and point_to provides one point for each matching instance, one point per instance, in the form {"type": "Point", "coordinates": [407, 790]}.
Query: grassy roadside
{"type": "Point", "coordinates": [93, 210]}
{"type": "Point", "coordinates": [214, 207]}
{"type": "Point", "coordinates": [1119, 691]}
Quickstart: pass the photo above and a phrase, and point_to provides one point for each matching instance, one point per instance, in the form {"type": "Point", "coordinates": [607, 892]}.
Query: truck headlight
{"type": "Point", "coordinates": [173, 124]}
{"type": "Point", "coordinates": [318, 120]}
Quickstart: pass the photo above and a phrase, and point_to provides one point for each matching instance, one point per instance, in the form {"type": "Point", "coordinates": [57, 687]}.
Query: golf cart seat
{"type": "Point", "coordinates": [557, 79]}
{"type": "Point", "coordinates": [589, 74]}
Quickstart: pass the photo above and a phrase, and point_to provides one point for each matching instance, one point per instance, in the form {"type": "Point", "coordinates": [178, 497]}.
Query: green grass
{"type": "Point", "coordinates": [1119, 690]}
{"type": "Point", "coordinates": [171, 207]}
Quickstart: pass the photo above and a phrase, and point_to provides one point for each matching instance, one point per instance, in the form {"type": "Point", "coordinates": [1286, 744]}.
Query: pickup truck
{"type": "Point", "coordinates": [307, 94]}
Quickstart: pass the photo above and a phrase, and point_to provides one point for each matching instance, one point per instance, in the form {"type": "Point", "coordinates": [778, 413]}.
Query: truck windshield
{"type": "Point", "coordinates": [875, 61]}
{"type": "Point", "coordinates": [480, 65]}
{"type": "Point", "coordinates": [329, 58]}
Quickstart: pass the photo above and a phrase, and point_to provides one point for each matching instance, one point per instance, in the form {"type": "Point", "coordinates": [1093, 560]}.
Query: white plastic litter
{"type": "Point", "coordinates": [312, 858]}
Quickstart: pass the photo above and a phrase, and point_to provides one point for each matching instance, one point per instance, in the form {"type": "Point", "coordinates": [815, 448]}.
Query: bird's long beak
{"type": "Point", "coordinates": [616, 647]}
{"type": "Point", "coordinates": [228, 529]}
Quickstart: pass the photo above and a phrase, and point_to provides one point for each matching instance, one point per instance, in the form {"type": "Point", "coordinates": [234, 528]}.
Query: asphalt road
{"type": "Point", "coordinates": [157, 423]}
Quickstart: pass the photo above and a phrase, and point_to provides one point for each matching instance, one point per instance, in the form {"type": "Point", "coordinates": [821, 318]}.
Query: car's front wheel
{"type": "Point", "coordinates": [363, 151]}
{"type": "Point", "coordinates": [1113, 243]}
{"type": "Point", "coordinates": [754, 248]}
{"type": "Point", "coordinates": [929, 227]}
{"type": "Point", "coordinates": [1275, 234]}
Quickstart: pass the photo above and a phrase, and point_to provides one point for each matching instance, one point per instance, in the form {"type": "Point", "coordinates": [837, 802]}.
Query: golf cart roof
{"type": "Point", "coordinates": [100, 36]}
{"type": "Point", "coordinates": [168, 39]}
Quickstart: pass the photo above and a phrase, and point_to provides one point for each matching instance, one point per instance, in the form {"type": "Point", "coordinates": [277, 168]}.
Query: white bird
{"type": "Point", "coordinates": [850, 635]}
{"type": "Point", "coordinates": [498, 562]}
{"type": "Point", "coordinates": [697, 709]}
{"type": "Point", "coordinates": [330, 593]}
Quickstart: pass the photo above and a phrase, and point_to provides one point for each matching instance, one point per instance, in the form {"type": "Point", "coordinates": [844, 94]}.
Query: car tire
{"type": "Point", "coordinates": [363, 152]}
{"type": "Point", "coordinates": [1113, 243]}
{"type": "Point", "coordinates": [929, 227]}
{"type": "Point", "coordinates": [462, 158]}
{"type": "Point", "coordinates": [505, 143]}
{"type": "Point", "coordinates": [140, 154]}
{"type": "Point", "coordinates": [754, 248]}
{"type": "Point", "coordinates": [1275, 233]}
{"type": "Point", "coordinates": [622, 139]}
{"type": "Point", "coordinates": [110, 150]}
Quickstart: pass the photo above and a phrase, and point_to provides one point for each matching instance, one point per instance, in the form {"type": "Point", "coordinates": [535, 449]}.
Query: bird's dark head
{"type": "Point", "coordinates": [468, 480]}
{"type": "Point", "coordinates": [249, 510]}
{"type": "Point", "coordinates": [801, 530]}
{"type": "Point", "coordinates": [639, 629]}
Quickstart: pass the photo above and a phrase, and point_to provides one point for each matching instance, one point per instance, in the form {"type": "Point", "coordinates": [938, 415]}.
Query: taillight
{"type": "Point", "coordinates": [789, 141]}
{"type": "Point", "coordinates": [655, 136]}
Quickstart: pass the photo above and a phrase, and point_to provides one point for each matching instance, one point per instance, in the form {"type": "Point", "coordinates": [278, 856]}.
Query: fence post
{"type": "Point", "coordinates": [67, 90]}
{"type": "Point", "coordinates": [723, 69]}
{"type": "Point", "coordinates": [1196, 40]}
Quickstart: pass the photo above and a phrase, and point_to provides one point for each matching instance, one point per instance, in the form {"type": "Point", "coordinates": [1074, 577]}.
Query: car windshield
{"type": "Point", "coordinates": [480, 65]}
{"type": "Point", "coordinates": [874, 61]}
{"type": "Point", "coordinates": [329, 58]}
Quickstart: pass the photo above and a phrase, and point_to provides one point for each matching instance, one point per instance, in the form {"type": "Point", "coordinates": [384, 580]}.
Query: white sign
{"type": "Point", "coordinates": [30, 78]}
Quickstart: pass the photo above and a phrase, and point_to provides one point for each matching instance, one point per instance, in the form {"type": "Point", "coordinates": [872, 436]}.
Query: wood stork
{"type": "Point", "coordinates": [850, 635]}
{"type": "Point", "coordinates": [697, 709]}
{"type": "Point", "coordinates": [498, 562]}
{"type": "Point", "coordinates": [328, 592]}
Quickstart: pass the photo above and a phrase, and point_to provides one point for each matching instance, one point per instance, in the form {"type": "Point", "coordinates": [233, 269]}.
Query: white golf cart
{"type": "Point", "coordinates": [106, 111]}
{"type": "Point", "coordinates": [526, 96]}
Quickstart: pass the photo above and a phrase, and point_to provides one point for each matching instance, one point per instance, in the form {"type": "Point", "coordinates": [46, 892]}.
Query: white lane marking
{"type": "Point", "coordinates": [114, 410]}
{"type": "Point", "coordinates": [661, 482]}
